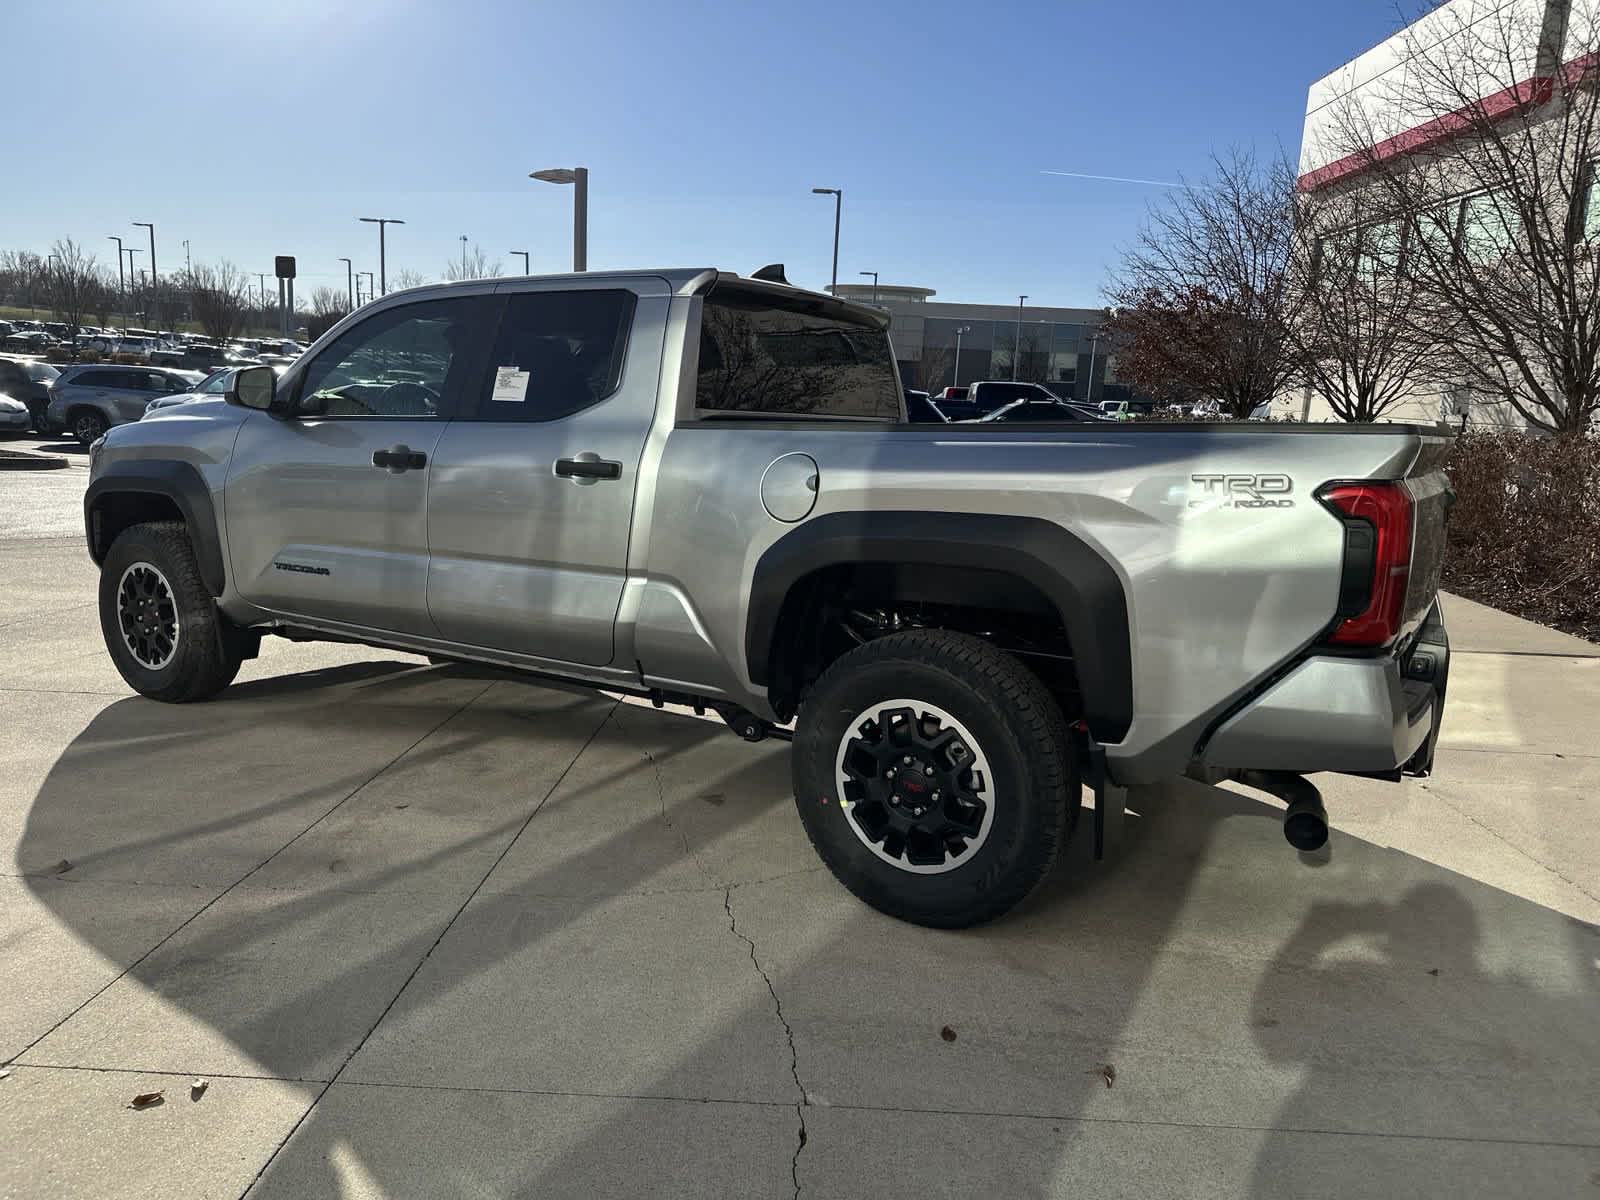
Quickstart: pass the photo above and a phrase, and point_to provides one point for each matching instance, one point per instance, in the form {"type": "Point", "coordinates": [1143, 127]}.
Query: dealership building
{"type": "Point", "coordinates": [1389, 94]}
{"type": "Point", "coordinates": [1063, 348]}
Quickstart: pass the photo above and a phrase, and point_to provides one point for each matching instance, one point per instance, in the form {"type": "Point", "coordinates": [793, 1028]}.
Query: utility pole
{"type": "Point", "coordinates": [188, 263]}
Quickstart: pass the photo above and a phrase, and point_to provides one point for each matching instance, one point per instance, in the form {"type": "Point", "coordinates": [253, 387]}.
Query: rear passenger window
{"type": "Point", "coordinates": [770, 354]}
{"type": "Point", "coordinates": [557, 353]}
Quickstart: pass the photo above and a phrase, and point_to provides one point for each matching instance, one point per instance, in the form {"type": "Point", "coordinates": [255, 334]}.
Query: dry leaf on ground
{"type": "Point", "coordinates": [147, 1100]}
{"type": "Point", "coordinates": [948, 1034]}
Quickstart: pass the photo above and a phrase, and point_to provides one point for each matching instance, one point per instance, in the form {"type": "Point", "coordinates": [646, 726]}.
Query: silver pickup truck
{"type": "Point", "coordinates": [699, 488]}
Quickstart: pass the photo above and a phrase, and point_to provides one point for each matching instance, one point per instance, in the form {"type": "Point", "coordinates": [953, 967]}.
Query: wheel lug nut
{"type": "Point", "coordinates": [895, 800]}
{"type": "Point", "coordinates": [916, 812]}
{"type": "Point", "coordinates": [906, 760]}
{"type": "Point", "coordinates": [927, 770]}
{"type": "Point", "coordinates": [889, 774]}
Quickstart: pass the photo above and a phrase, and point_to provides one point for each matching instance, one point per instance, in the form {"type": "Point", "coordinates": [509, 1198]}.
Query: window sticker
{"type": "Point", "coordinates": [510, 386]}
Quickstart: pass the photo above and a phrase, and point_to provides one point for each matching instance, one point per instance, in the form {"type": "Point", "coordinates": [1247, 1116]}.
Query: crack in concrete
{"type": "Point", "coordinates": [1505, 841]}
{"type": "Point", "coordinates": [788, 1033]}
{"type": "Point", "coordinates": [689, 851]}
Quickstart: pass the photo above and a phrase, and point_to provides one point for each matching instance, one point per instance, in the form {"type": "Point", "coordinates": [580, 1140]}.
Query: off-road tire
{"type": "Point", "coordinates": [202, 662]}
{"type": "Point", "coordinates": [1020, 732]}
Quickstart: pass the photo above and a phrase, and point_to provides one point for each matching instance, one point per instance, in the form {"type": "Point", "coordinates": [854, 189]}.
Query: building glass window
{"type": "Point", "coordinates": [1488, 227]}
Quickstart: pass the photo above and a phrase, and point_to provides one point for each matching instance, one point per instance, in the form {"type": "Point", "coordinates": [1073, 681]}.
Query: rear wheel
{"type": "Point", "coordinates": [88, 426]}
{"type": "Point", "coordinates": [160, 623]}
{"type": "Point", "coordinates": [934, 776]}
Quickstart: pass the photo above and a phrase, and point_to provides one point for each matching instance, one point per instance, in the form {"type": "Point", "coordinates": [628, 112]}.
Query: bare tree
{"type": "Point", "coordinates": [934, 367]}
{"type": "Point", "coordinates": [220, 297]}
{"type": "Point", "coordinates": [23, 276]}
{"type": "Point", "coordinates": [474, 265]}
{"type": "Point", "coordinates": [73, 282]}
{"type": "Point", "coordinates": [1495, 196]}
{"type": "Point", "coordinates": [329, 306]}
{"type": "Point", "coordinates": [1361, 334]}
{"type": "Point", "coordinates": [1205, 297]}
{"type": "Point", "coordinates": [407, 278]}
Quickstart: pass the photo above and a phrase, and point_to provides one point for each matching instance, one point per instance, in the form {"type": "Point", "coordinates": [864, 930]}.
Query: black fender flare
{"type": "Point", "coordinates": [1077, 579]}
{"type": "Point", "coordinates": [179, 482]}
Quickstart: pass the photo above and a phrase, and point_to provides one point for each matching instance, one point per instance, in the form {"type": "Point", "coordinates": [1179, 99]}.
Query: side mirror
{"type": "Point", "coordinates": [253, 387]}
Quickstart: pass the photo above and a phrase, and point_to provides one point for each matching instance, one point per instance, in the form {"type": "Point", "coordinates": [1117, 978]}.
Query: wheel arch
{"type": "Point", "coordinates": [1053, 566]}
{"type": "Point", "coordinates": [151, 489]}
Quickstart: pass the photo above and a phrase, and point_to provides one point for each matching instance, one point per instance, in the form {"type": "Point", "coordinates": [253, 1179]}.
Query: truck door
{"type": "Point", "coordinates": [327, 510]}
{"type": "Point", "coordinates": [531, 496]}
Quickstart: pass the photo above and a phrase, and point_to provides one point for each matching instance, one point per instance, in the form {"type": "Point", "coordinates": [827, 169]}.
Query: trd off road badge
{"type": "Point", "coordinates": [1243, 491]}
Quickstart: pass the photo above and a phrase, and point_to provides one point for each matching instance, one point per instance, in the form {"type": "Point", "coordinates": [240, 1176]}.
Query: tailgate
{"type": "Point", "coordinates": [1431, 498]}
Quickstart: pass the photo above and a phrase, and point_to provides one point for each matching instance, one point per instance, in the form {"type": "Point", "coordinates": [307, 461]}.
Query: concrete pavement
{"type": "Point", "coordinates": [431, 932]}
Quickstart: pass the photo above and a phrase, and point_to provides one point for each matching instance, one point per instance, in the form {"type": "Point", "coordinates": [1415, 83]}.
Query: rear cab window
{"type": "Point", "coordinates": [764, 353]}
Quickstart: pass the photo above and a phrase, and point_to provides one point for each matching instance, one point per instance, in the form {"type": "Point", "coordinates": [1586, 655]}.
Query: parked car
{"type": "Point", "coordinates": [962, 628]}
{"type": "Point", "coordinates": [29, 380]}
{"type": "Point", "coordinates": [1126, 410]}
{"type": "Point", "coordinates": [136, 346]}
{"type": "Point", "coordinates": [1041, 410]}
{"type": "Point", "coordinates": [34, 341]}
{"type": "Point", "coordinates": [88, 399]}
{"type": "Point", "coordinates": [14, 415]}
{"type": "Point", "coordinates": [211, 387]}
{"type": "Point", "coordinates": [921, 410]}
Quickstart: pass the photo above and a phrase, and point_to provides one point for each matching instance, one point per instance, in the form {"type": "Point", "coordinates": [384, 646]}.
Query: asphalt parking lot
{"type": "Point", "coordinates": [432, 932]}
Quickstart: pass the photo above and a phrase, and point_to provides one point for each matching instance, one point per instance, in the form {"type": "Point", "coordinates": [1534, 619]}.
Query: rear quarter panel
{"type": "Point", "coordinates": [1219, 594]}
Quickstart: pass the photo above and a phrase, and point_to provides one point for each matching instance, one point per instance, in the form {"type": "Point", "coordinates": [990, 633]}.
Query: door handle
{"type": "Point", "coordinates": [399, 458]}
{"type": "Point", "coordinates": [588, 468]}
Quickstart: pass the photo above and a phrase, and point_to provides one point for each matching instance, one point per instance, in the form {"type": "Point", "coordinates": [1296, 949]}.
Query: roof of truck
{"type": "Point", "coordinates": [683, 281]}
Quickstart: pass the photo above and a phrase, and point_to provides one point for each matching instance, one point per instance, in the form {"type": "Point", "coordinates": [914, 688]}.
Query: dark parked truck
{"type": "Point", "coordinates": [701, 488]}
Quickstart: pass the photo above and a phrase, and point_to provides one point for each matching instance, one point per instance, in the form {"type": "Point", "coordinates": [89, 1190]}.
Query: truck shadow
{"type": "Point", "coordinates": [539, 1047]}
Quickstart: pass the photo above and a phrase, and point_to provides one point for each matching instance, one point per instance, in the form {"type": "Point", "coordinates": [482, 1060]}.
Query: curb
{"type": "Point", "coordinates": [25, 460]}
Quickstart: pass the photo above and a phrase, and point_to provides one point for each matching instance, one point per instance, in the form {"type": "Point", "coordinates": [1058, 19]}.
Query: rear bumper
{"type": "Point", "coordinates": [1357, 715]}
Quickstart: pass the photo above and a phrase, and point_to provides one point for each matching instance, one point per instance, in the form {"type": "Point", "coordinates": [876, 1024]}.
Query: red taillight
{"type": "Point", "coordinates": [1386, 508]}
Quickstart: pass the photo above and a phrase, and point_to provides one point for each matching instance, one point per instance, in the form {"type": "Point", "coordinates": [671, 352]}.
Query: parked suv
{"type": "Point", "coordinates": [87, 400]}
{"type": "Point", "coordinates": [700, 488]}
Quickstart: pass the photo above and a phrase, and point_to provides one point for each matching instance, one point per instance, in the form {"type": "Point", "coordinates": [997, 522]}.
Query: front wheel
{"type": "Point", "coordinates": [160, 623]}
{"type": "Point", "coordinates": [934, 776]}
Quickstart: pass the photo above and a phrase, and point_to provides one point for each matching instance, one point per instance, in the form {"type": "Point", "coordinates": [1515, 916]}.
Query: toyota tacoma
{"type": "Point", "coordinates": [701, 488]}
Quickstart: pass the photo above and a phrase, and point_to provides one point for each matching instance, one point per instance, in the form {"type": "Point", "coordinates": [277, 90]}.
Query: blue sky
{"type": "Point", "coordinates": [269, 127]}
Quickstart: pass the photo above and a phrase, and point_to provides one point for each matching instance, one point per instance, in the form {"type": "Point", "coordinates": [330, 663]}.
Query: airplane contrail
{"type": "Point", "coordinates": [1125, 179]}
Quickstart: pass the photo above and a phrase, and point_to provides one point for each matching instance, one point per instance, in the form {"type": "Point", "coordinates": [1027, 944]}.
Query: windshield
{"type": "Point", "coordinates": [41, 372]}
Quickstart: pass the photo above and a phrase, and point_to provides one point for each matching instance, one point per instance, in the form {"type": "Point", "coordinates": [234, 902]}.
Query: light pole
{"type": "Point", "coordinates": [188, 263]}
{"type": "Point", "coordinates": [261, 294]}
{"type": "Point", "coordinates": [381, 222]}
{"type": "Point", "coordinates": [579, 176]}
{"type": "Point", "coordinates": [463, 256]}
{"type": "Point", "coordinates": [1016, 349]}
{"type": "Point", "coordinates": [55, 271]}
{"type": "Point", "coordinates": [151, 227]}
{"type": "Point", "coordinates": [524, 254]}
{"type": "Point", "coordinates": [1094, 345]}
{"type": "Point", "coordinates": [960, 329]}
{"type": "Point", "coordinates": [838, 202]}
{"type": "Point", "coordinates": [874, 275]}
{"type": "Point", "coordinates": [350, 281]}
{"type": "Point", "coordinates": [368, 274]}
{"type": "Point", "coordinates": [122, 286]}
{"type": "Point", "coordinates": [133, 285]}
